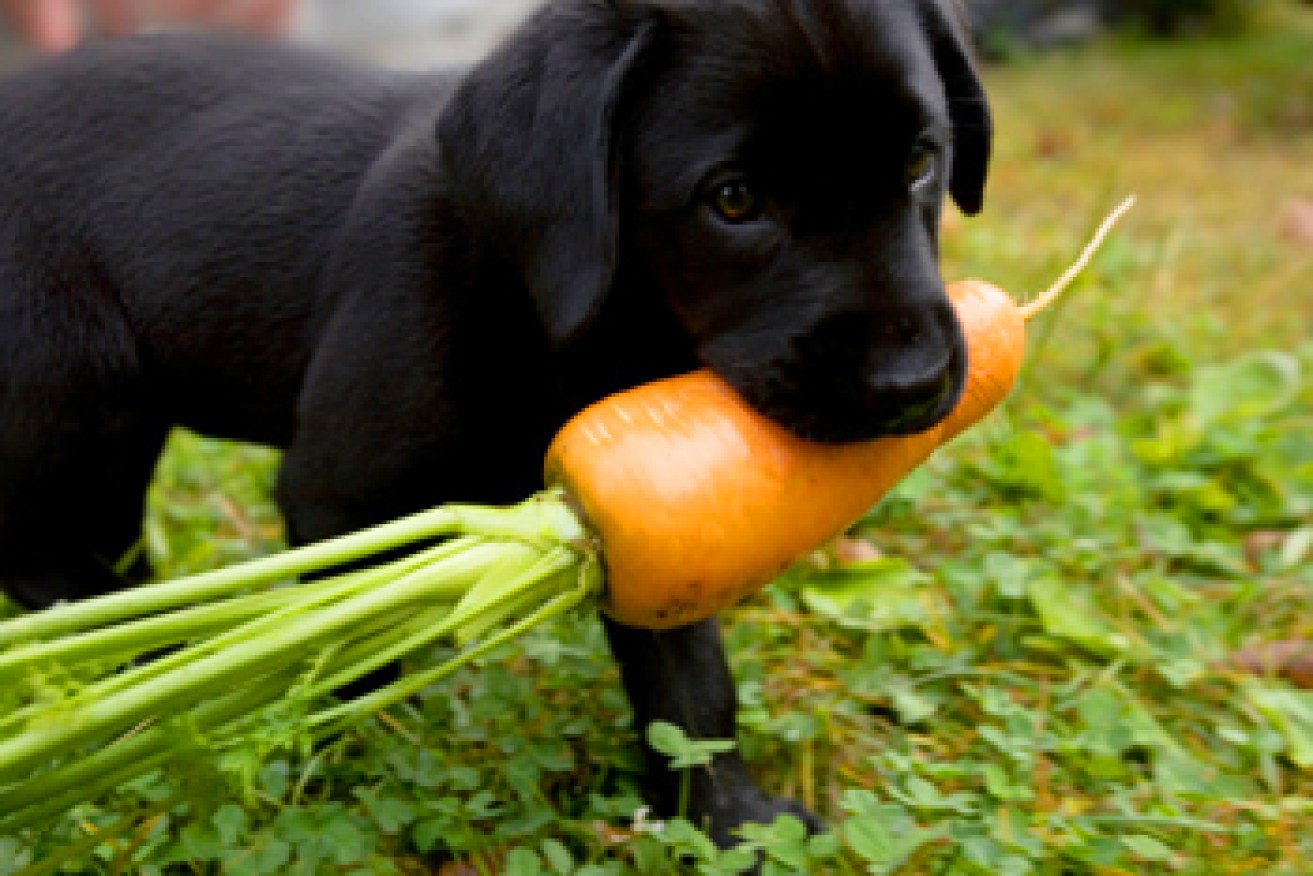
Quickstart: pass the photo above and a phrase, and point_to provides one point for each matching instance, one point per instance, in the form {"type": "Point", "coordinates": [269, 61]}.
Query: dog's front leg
{"type": "Point", "coordinates": [681, 676]}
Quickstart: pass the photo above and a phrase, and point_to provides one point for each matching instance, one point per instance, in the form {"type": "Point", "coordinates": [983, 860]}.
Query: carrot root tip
{"type": "Point", "coordinates": [1033, 308]}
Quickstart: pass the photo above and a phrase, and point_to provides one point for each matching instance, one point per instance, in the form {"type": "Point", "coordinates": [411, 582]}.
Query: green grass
{"type": "Point", "coordinates": [1026, 675]}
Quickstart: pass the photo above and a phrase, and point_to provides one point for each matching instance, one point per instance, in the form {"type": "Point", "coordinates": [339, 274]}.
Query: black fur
{"type": "Point", "coordinates": [408, 282]}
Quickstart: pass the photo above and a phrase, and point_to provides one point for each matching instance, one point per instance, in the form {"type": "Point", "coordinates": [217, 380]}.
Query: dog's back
{"type": "Point", "coordinates": [203, 207]}
{"type": "Point", "coordinates": [168, 207]}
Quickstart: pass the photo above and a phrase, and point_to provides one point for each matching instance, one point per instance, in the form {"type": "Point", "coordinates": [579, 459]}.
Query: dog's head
{"type": "Point", "coordinates": [775, 169]}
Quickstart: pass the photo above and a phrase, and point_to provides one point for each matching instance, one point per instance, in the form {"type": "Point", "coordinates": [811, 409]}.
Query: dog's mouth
{"type": "Point", "coordinates": [843, 412]}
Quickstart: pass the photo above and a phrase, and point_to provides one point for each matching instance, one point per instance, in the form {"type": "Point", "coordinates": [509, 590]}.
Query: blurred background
{"type": "Point", "coordinates": [399, 32]}
{"type": "Point", "coordinates": [416, 31]}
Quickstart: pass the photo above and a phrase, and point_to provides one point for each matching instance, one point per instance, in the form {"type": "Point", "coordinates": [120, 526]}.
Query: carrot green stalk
{"type": "Point", "coordinates": [285, 643]}
{"type": "Point", "coordinates": [535, 522]}
{"type": "Point", "coordinates": [288, 647]}
{"type": "Point", "coordinates": [307, 599]}
{"type": "Point", "coordinates": [52, 792]}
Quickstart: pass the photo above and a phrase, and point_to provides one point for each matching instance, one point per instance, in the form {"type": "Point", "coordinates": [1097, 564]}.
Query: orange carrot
{"type": "Point", "coordinates": [699, 501]}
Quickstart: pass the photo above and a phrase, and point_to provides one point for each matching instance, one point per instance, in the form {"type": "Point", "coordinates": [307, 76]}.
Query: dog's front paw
{"type": "Point", "coordinates": [722, 809]}
{"type": "Point", "coordinates": [722, 817]}
{"type": "Point", "coordinates": [723, 799]}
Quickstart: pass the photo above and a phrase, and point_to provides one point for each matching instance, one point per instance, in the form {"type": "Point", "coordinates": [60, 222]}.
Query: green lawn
{"type": "Point", "coordinates": [1027, 670]}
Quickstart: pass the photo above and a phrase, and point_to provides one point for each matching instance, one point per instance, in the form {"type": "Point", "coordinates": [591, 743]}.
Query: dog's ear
{"type": "Point", "coordinates": [528, 147]}
{"type": "Point", "coordinates": [945, 23]}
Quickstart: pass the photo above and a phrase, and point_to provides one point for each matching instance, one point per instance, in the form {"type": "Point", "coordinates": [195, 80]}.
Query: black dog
{"type": "Point", "coordinates": [409, 282]}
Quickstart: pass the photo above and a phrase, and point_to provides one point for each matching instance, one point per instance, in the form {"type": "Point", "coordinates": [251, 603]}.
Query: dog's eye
{"type": "Point", "coordinates": [921, 165]}
{"type": "Point", "coordinates": [736, 201]}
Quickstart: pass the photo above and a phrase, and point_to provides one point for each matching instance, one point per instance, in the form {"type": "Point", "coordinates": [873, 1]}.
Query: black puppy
{"type": "Point", "coordinates": [409, 282]}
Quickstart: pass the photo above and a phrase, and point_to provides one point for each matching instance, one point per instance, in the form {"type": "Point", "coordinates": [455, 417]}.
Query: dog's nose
{"type": "Point", "coordinates": [912, 402]}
